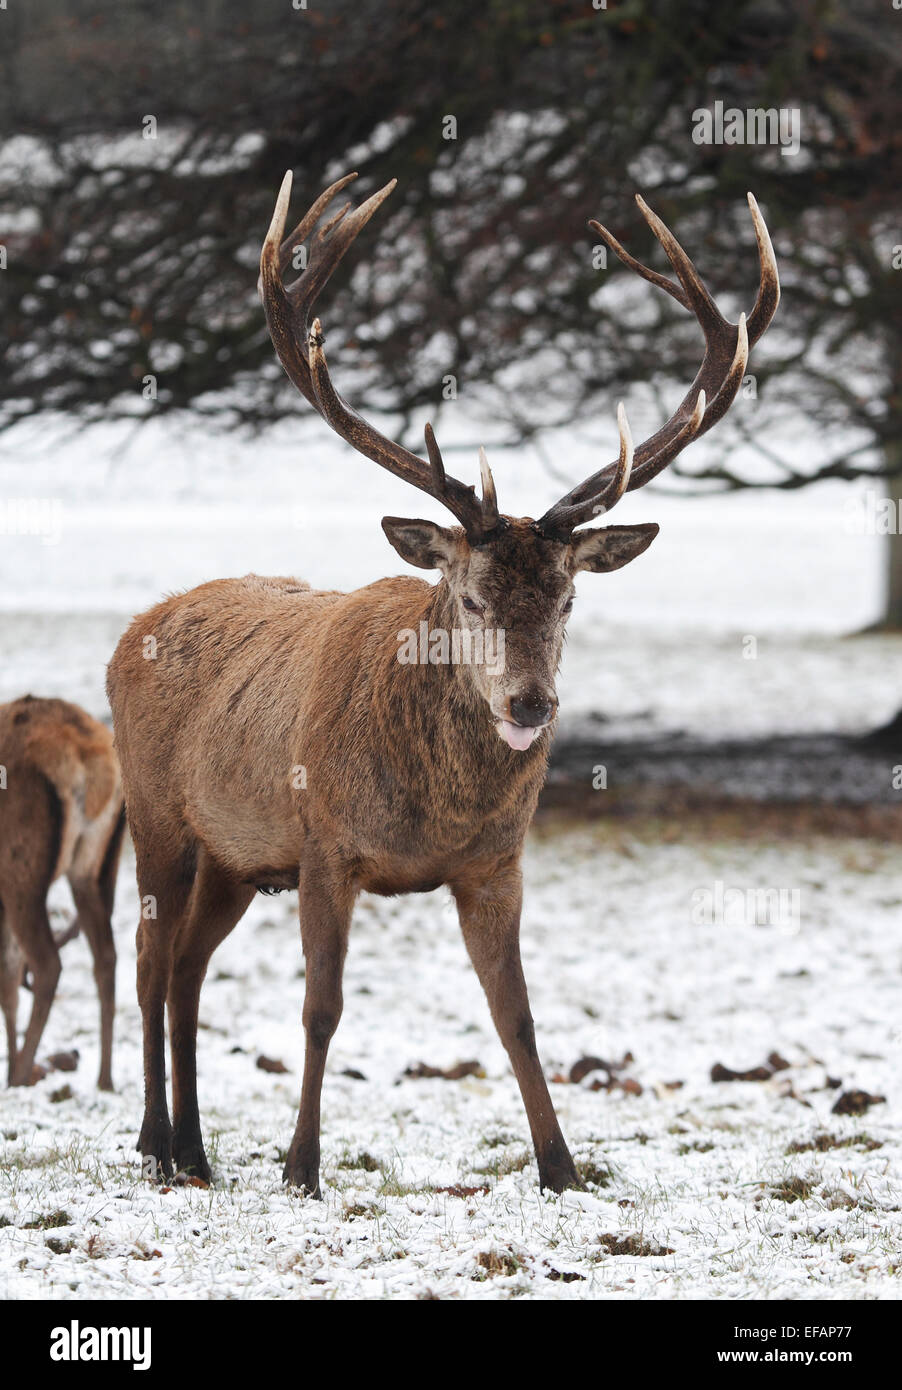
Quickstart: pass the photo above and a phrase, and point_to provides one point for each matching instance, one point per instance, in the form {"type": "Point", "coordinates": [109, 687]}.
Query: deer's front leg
{"type": "Point", "coordinates": [325, 908]}
{"type": "Point", "coordinates": [490, 921]}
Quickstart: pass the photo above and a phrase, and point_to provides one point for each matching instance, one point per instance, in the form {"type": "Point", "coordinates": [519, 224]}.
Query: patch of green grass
{"type": "Point", "coordinates": [355, 1209]}
{"type": "Point", "coordinates": [631, 1245]}
{"type": "Point", "coordinates": [491, 1263]}
{"type": "Point", "coordinates": [362, 1160]}
{"type": "Point", "coordinates": [595, 1174]}
{"type": "Point", "coordinates": [792, 1189]}
{"type": "Point", "coordinates": [837, 1199]}
{"type": "Point", "coordinates": [48, 1221]}
{"type": "Point", "coordinates": [500, 1140]}
{"type": "Point", "coordinates": [60, 1246]}
{"type": "Point", "coordinates": [28, 1158]}
{"type": "Point", "coordinates": [393, 1185]}
{"type": "Point", "coordinates": [506, 1163]}
{"type": "Point", "coordinates": [79, 1158]}
{"type": "Point", "coordinates": [823, 1142]}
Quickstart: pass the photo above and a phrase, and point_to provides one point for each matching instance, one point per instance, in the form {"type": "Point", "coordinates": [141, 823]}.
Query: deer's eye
{"type": "Point", "coordinates": [568, 605]}
{"type": "Point", "coordinates": [470, 604]}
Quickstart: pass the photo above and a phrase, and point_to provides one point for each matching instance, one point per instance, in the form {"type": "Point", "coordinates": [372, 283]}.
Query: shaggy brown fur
{"type": "Point", "coordinates": [275, 740]}
{"type": "Point", "coordinates": [61, 812]}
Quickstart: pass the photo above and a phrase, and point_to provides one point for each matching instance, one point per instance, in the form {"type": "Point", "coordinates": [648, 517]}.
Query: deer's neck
{"type": "Point", "coordinates": [437, 728]}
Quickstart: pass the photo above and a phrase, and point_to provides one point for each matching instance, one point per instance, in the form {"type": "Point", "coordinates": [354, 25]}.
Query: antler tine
{"type": "Point", "coordinates": [333, 222]}
{"type": "Point", "coordinates": [769, 283]}
{"type": "Point", "coordinates": [435, 459]}
{"type": "Point", "coordinates": [630, 261]}
{"type": "Point", "coordinates": [697, 297]}
{"type": "Point", "coordinates": [624, 463]}
{"type": "Point", "coordinates": [304, 228]}
{"type": "Point", "coordinates": [588, 503]}
{"type": "Point", "coordinates": [731, 384]}
{"type": "Point", "coordinates": [490, 516]}
{"type": "Point", "coordinates": [300, 347]}
{"type": "Point", "coordinates": [275, 237]}
{"type": "Point", "coordinates": [716, 383]}
{"type": "Point", "coordinates": [275, 257]}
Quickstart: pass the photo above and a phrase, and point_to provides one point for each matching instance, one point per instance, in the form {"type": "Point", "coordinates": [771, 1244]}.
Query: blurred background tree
{"type": "Point", "coordinates": [141, 156]}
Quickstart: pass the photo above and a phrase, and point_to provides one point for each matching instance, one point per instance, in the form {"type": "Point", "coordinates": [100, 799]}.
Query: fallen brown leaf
{"type": "Point", "coordinates": [423, 1072]}
{"type": "Point", "coordinates": [271, 1064]}
{"type": "Point", "coordinates": [856, 1103]}
{"type": "Point", "coordinates": [64, 1061]}
{"type": "Point", "coordinates": [721, 1073]}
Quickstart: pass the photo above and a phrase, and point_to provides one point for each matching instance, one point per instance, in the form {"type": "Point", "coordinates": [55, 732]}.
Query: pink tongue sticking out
{"type": "Point", "coordinates": [515, 735]}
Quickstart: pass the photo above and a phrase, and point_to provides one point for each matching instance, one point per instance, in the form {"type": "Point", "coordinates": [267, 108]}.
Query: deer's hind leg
{"type": "Point", "coordinates": [30, 839]}
{"type": "Point", "coordinates": [216, 905]}
{"type": "Point", "coordinates": [165, 880]}
{"type": "Point", "coordinates": [11, 963]}
{"type": "Point", "coordinates": [25, 912]}
{"type": "Point", "coordinates": [92, 879]}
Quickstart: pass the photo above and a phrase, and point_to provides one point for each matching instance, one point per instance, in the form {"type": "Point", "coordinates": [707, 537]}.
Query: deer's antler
{"type": "Point", "coordinates": [708, 398]}
{"type": "Point", "coordinates": [299, 344]}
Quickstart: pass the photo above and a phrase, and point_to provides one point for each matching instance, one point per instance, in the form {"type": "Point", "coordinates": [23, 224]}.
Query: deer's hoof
{"type": "Point", "coordinates": [560, 1179]}
{"type": "Point", "coordinates": [155, 1148]}
{"type": "Point", "coordinates": [192, 1162]}
{"type": "Point", "coordinates": [20, 1075]}
{"type": "Point", "coordinates": [300, 1176]}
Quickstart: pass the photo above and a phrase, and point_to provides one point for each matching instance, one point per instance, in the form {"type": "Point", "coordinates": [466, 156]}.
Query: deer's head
{"type": "Point", "coordinates": [506, 574]}
{"type": "Point", "coordinates": [511, 595]}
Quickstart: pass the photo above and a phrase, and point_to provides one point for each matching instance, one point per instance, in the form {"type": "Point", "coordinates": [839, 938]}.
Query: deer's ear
{"type": "Point", "coordinates": [611, 547]}
{"type": "Point", "coordinates": [422, 543]}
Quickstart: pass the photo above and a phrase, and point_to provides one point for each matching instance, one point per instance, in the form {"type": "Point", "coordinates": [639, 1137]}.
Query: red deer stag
{"type": "Point", "coordinates": [61, 812]}
{"type": "Point", "coordinates": [416, 775]}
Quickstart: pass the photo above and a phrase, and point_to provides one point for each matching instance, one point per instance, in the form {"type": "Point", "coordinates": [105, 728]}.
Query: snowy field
{"type": "Point", "coordinates": [742, 1189]}
{"type": "Point", "coordinates": [695, 1188]}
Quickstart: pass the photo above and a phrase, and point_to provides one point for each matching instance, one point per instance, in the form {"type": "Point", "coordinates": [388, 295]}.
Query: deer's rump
{"type": "Point", "coordinates": [55, 752]}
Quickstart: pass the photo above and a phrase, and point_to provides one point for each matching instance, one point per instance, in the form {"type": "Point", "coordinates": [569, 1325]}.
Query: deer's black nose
{"type": "Point", "coordinates": [532, 710]}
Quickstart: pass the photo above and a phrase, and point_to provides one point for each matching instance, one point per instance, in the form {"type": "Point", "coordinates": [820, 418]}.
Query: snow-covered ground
{"type": "Point", "coordinates": [713, 1190]}
{"type": "Point", "coordinates": [617, 957]}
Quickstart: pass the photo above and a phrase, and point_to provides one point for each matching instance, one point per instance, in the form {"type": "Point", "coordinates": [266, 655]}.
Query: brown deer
{"type": "Point", "coordinates": [275, 740]}
{"type": "Point", "coordinates": [61, 812]}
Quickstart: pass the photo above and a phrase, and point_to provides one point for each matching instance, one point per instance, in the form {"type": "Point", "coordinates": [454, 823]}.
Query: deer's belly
{"type": "Point", "coordinates": [388, 884]}
{"type": "Point", "coordinates": [257, 839]}
{"type": "Point", "coordinates": [389, 875]}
